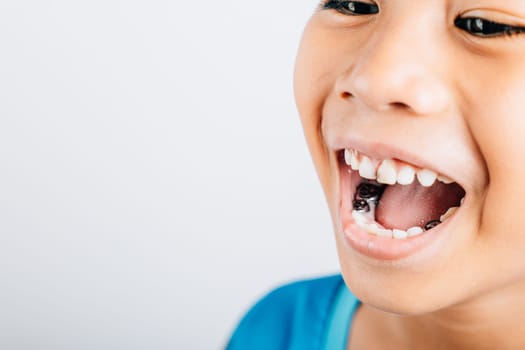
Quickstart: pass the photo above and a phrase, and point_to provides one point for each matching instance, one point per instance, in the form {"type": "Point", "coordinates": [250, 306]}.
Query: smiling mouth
{"type": "Point", "coordinates": [393, 199]}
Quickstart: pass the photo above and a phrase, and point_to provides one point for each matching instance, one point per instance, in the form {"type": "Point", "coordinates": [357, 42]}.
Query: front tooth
{"type": "Point", "coordinates": [426, 177]}
{"type": "Point", "coordinates": [366, 169]}
{"type": "Point", "coordinates": [385, 233]}
{"type": "Point", "coordinates": [386, 174]}
{"type": "Point", "coordinates": [399, 234]}
{"type": "Point", "coordinates": [445, 179]}
{"type": "Point", "coordinates": [406, 175]}
{"type": "Point", "coordinates": [348, 156]}
{"type": "Point", "coordinates": [354, 160]}
{"type": "Point", "coordinates": [372, 229]}
{"type": "Point", "coordinates": [414, 231]}
{"type": "Point", "coordinates": [448, 214]}
{"type": "Point", "coordinates": [368, 228]}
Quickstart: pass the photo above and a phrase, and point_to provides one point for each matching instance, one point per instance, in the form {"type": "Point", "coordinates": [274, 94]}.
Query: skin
{"type": "Point", "coordinates": [408, 79]}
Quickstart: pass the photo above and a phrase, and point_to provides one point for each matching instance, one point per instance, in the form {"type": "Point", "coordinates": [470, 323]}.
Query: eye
{"type": "Point", "coordinates": [352, 8]}
{"type": "Point", "coordinates": [484, 28]}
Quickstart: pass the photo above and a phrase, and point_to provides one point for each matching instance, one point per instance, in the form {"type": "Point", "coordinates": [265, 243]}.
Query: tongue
{"type": "Point", "coordinates": [404, 207]}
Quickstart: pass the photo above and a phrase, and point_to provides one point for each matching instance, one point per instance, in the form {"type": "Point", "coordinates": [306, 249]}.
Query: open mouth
{"type": "Point", "coordinates": [392, 199]}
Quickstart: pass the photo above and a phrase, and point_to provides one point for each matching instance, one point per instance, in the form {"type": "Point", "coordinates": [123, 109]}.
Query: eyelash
{"type": "Point", "coordinates": [351, 8]}
{"type": "Point", "coordinates": [475, 26]}
{"type": "Point", "coordinates": [486, 29]}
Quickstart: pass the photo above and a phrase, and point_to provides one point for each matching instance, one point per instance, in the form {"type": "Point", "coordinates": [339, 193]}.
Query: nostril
{"type": "Point", "coordinates": [399, 105]}
{"type": "Point", "coordinates": [346, 95]}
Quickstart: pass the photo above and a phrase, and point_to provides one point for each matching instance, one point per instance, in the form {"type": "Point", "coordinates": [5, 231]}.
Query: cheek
{"type": "Point", "coordinates": [312, 77]}
{"type": "Point", "coordinates": [497, 122]}
{"type": "Point", "coordinates": [324, 55]}
{"type": "Point", "coordinates": [313, 82]}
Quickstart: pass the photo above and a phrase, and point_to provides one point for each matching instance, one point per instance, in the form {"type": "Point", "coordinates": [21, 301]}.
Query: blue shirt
{"type": "Point", "coordinates": [306, 315]}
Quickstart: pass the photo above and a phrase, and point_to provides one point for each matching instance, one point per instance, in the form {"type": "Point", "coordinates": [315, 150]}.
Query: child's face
{"type": "Point", "coordinates": [435, 85]}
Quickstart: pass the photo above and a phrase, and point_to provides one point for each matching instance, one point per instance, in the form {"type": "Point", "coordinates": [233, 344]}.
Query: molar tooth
{"type": "Point", "coordinates": [414, 231]}
{"type": "Point", "coordinates": [399, 234]}
{"type": "Point", "coordinates": [448, 214]}
{"type": "Point", "coordinates": [366, 169]}
{"type": "Point", "coordinates": [361, 205]}
{"type": "Point", "coordinates": [445, 179]}
{"type": "Point", "coordinates": [462, 201]}
{"type": "Point", "coordinates": [406, 175]}
{"type": "Point", "coordinates": [431, 224]}
{"type": "Point", "coordinates": [386, 173]}
{"type": "Point", "coordinates": [426, 177]}
{"type": "Point", "coordinates": [369, 192]}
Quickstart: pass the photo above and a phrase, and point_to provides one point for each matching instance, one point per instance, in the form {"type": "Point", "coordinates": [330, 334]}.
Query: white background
{"type": "Point", "coordinates": [154, 180]}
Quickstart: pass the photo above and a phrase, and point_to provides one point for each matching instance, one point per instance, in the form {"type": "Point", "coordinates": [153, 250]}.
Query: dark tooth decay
{"type": "Point", "coordinates": [367, 195]}
{"type": "Point", "coordinates": [369, 192]}
{"type": "Point", "coordinates": [432, 224]}
{"type": "Point", "coordinates": [361, 205]}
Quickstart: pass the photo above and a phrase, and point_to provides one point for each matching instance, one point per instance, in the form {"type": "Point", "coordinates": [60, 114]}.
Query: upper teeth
{"type": "Point", "coordinates": [390, 171]}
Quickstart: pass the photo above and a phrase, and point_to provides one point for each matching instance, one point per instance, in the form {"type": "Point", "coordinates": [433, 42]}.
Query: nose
{"type": "Point", "coordinates": [396, 69]}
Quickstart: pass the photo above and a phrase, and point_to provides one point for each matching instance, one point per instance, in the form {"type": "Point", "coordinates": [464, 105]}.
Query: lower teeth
{"type": "Point", "coordinates": [366, 198]}
{"type": "Point", "coordinates": [432, 224]}
{"type": "Point", "coordinates": [362, 206]}
{"type": "Point", "coordinates": [369, 192]}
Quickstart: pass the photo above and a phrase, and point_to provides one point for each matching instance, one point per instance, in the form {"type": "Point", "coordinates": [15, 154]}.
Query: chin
{"type": "Point", "coordinates": [395, 294]}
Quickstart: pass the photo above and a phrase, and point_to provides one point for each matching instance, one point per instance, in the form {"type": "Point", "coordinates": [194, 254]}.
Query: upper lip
{"type": "Point", "coordinates": [381, 150]}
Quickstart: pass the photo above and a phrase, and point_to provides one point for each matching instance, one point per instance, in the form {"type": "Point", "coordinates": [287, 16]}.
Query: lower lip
{"type": "Point", "coordinates": [383, 248]}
